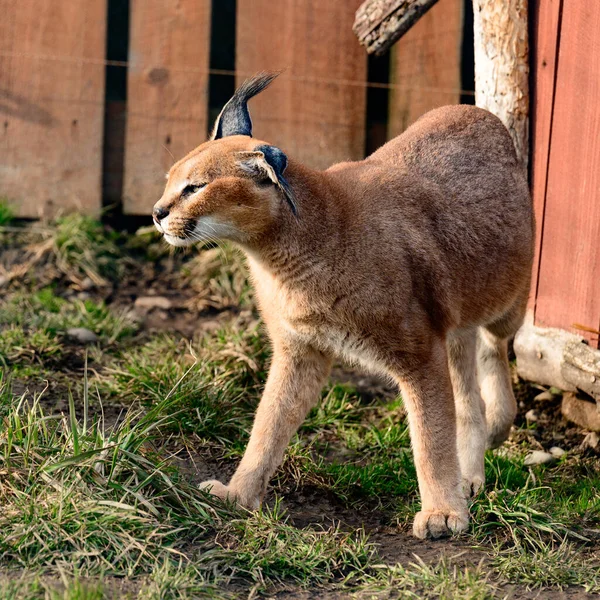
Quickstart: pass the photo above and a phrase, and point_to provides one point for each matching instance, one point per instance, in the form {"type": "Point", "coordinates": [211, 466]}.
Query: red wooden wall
{"type": "Point", "coordinates": [566, 164]}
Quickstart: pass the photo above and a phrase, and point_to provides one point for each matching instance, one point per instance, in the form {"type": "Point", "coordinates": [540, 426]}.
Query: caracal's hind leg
{"type": "Point", "coordinates": [494, 373]}
{"type": "Point", "coordinates": [471, 431]}
{"type": "Point", "coordinates": [427, 392]}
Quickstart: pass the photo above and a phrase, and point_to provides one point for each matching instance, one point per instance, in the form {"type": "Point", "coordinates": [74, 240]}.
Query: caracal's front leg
{"type": "Point", "coordinates": [297, 375]}
{"type": "Point", "coordinates": [427, 393]}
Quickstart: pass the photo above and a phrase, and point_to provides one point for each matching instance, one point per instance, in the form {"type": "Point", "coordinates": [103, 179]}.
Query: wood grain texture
{"type": "Point", "coordinates": [426, 66]}
{"type": "Point", "coordinates": [315, 111]}
{"type": "Point", "coordinates": [502, 65]}
{"type": "Point", "coordinates": [569, 284]}
{"type": "Point", "coordinates": [379, 24]}
{"type": "Point", "coordinates": [167, 93]}
{"type": "Point", "coordinates": [545, 18]}
{"type": "Point", "coordinates": [52, 104]}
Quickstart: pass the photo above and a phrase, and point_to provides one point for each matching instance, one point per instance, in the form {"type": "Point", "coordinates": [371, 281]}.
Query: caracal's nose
{"type": "Point", "coordinates": [160, 213]}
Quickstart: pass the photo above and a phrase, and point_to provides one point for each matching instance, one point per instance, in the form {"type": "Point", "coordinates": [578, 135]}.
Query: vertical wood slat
{"type": "Point", "coordinates": [425, 66]}
{"type": "Point", "coordinates": [315, 111]}
{"type": "Point", "coordinates": [569, 284]}
{"type": "Point", "coordinates": [545, 16]}
{"type": "Point", "coordinates": [51, 104]}
{"type": "Point", "coordinates": [167, 93]}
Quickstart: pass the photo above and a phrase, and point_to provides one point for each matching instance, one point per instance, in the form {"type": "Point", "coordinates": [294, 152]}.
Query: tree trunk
{"type": "Point", "coordinates": [502, 66]}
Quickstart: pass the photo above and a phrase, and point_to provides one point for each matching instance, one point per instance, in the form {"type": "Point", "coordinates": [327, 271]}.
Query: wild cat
{"type": "Point", "coordinates": [414, 263]}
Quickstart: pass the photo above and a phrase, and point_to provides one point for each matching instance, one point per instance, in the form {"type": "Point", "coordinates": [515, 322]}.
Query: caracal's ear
{"type": "Point", "coordinates": [235, 118]}
{"type": "Point", "coordinates": [269, 162]}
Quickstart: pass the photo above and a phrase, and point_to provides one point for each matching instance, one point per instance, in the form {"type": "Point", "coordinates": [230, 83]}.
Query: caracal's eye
{"type": "Point", "coordinates": [192, 189]}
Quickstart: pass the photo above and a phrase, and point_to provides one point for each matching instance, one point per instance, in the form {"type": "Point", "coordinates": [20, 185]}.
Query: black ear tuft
{"type": "Point", "coordinates": [235, 118]}
{"type": "Point", "coordinates": [275, 157]}
{"type": "Point", "coordinates": [278, 161]}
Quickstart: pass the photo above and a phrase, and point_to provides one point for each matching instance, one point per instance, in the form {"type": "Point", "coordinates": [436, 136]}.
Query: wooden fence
{"type": "Point", "coordinates": [55, 154]}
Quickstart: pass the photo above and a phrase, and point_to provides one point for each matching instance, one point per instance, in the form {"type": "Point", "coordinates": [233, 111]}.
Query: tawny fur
{"type": "Point", "coordinates": [414, 263]}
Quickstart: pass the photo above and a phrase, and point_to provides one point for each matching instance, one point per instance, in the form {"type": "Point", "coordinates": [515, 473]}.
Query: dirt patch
{"type": "Point", "coordinates": [540, 421]}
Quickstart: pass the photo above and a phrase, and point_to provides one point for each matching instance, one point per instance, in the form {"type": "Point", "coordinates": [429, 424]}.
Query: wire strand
{"type": "Point", "coordinates": [231, 73]}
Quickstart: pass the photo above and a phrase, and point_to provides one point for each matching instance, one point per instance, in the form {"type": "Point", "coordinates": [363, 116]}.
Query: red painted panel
{"type": "Point", "coordinates": [545, 18]}
{"type": "Point", "coordinates": [569, 283]}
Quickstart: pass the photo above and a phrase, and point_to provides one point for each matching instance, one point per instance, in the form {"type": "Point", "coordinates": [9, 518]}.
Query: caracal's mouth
{"type": "Point", "coordinates": [175, 240]}
{"type": "Point", "coordinates": [204, 229]}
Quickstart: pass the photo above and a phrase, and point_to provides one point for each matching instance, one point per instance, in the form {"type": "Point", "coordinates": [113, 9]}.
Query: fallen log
{"type": "Point", "coordinates": [581, 367]}
{"type": "Point", "coordinates": [379, 24]}
{"type": "Point", "coordinates": [561, 359]}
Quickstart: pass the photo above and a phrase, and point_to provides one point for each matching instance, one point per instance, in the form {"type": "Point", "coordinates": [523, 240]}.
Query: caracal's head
{"type": "Point", "coordinates": [231, 187]}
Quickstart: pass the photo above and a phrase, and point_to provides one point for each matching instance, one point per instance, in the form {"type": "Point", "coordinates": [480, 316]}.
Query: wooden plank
{"type": "Point", "coordinates": [167, 93]}
{"type": "Point", "coordinates": [52, 104]}
{"type": "Point", "coordinates": [569, 285]}
{"type": "Point", "coordinates": [315, 111]}
{"type": "Point", "coordinates": [545, 17]}
{"type": "Point", "coordinates": [425, 68]}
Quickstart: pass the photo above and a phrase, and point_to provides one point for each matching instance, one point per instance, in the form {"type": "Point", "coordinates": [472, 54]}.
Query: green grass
{"type": "Point", "coordinates": [83, 500]}
{"type": "Point", "coordinates": [542, 565]}
{"type": "Point", "coordinates": [73, 248]}
{"type": "Point", "coordinates": [441, 581]}
{"type": "Point", "coordinates": [99, 502]}
{"type": "Point", "coordinates": [219, 278]}
{"type": "Point", "coordinates": [213, 383]}
{"type": "Point", "coordinates": [6, 213]}
{"type": "Point", "coordinates": [33, 328]}
{"type": "Point", "coordinates": [530, 507]}
{"type": "Point", "coordinates": [45, 311]}
{"type": "Point", "coordinates": [19, 346]}
{"type": "Point", "coordinates": [71, 490]}
{"type": "Point", "coordinates": [34, 588]}
{"type": "Point", "coordinates": [81, 245]}
{"type": "Point", "coordinates": [96, 507]}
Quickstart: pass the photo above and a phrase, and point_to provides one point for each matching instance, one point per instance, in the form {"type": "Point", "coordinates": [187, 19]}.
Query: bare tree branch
{"type": "Point", "coordinates": [379, 24]}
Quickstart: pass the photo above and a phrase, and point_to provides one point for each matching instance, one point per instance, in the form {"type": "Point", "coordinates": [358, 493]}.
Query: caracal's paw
{"type": "Point", "coordinates": [216, 488]}
{"type": "Point", "coordinates": [472, 485]}
{"type": "Point", "coordinates": [497, 434]}
{"type": "Point", "coordinates": [436, 523]}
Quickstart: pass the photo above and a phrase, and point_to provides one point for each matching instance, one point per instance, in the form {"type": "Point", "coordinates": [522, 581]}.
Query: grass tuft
{"type": "Point", "coordinates": [214, 383]}
{"type": "Point", "coordinates": [7, 213]}
{"type": "Point", "coordinates": [82, 245]}
{"type": "Point", "coordinates": [73, 247]}
{"type": "Point", "coordinates": [540, 565]}
{"type": "Point", "coordinates": [439, 581]}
